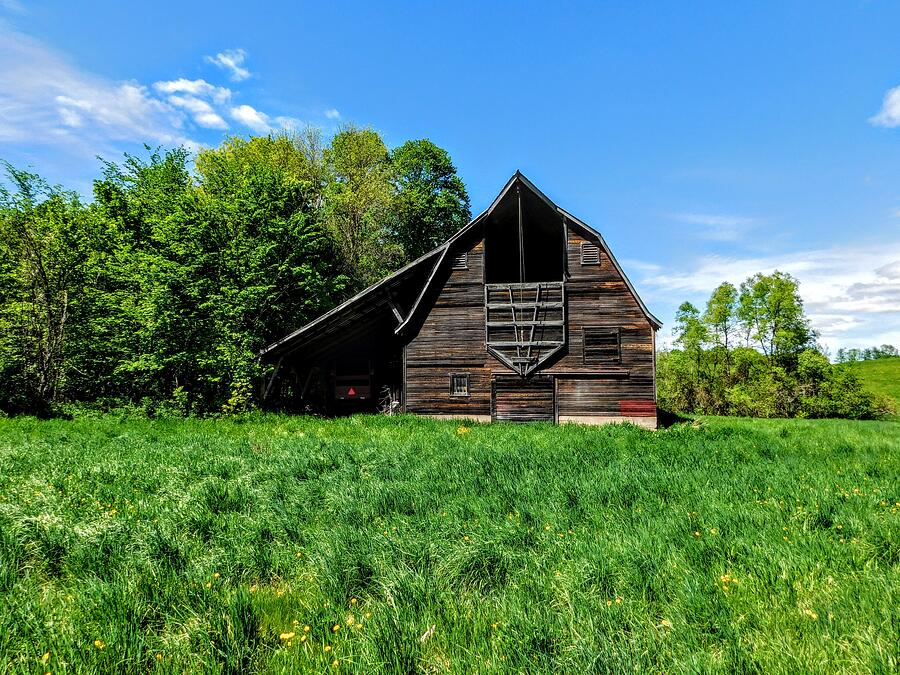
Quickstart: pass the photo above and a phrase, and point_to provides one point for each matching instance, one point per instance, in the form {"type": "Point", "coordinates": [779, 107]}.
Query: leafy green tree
{"type": "Point", "coordinates": [358, 201]}
{"type": "Point", "coordinates": [431, 202]}
{"type": "Point", "coordinates": [45, 249]}
{"type": "Point", "coordinates": [275, 265]}
{"type": "Point", "coordinates": [721, 315]}
{"type": "Point", "coordinates": [771, 310]}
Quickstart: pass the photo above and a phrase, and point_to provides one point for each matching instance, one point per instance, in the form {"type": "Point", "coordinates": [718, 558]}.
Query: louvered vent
{"type": "Point", "coordinates": [461, 262]}
{"type": "Point", "coordinates": [590, 254]}
{"type": "Point", "coordinates": [601, 345]}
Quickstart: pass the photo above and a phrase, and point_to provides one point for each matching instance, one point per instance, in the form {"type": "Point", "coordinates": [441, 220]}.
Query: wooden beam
{"type": "Point", "coordinates": [394, 308]}
{"type": "Point", "coordinates": [424, 290]}
{"type": "Point", "coordinates": [272, 379]}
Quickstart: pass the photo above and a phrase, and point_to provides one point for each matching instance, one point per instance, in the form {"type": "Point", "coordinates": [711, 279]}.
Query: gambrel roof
{"type": "Point", "coordinates": [379, 302]}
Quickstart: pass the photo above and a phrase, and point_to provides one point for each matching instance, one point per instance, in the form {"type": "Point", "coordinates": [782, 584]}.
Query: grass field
{"type": "Point", "coordinates": [881, 376]}
{"type": "Point", "coordinates": [280, 544]}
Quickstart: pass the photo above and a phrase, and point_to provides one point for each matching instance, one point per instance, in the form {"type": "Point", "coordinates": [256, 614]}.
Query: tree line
{"type": "Point", "coordinates": [752, 352]}
{"type": "Point", "coordinates": [160, 291]}
{"type": "Point", "coordinates": [852, 355]}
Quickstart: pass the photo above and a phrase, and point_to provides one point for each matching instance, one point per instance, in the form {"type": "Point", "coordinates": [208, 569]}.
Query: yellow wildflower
{"type": "Point", "coordinates": [811, 614]}
{"type": "Point", "coordinates": [45, 658]}
{"type": "Point", "coordinates": [335, 663]}
{"type": "Point", "coordinates": [306, 629]}
{"type": "Point", "coordinates": [609, 603]}
{"type": "Point", "coordinates": [336, 627]}
{"type": "Point", "coordinates": [462, 430]}
{"type": "Point", "coordinates": [352, 601]}
{"type": "Point", "coordinates": [216, 575]}
{"type": "Point", "coordinates": [302, 638]}
{"type": "Point", "coordinates": [327, 648]}
{"type": "Point", "coordinates": [99, 644]}
{"type": "Point", "coordinates": [159, 657]}
{"type": "Point", "coordinates": [286, 636]}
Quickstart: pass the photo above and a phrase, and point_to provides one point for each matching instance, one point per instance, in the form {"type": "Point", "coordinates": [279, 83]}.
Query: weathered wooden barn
{"type": "Point", "coordinates": [522, 315]}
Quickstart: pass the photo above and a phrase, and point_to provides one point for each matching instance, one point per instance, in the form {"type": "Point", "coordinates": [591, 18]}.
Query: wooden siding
{"type": "Point", "coordinates": [452, 339]}
{"type": "Point", "coordinates": [517, 400]}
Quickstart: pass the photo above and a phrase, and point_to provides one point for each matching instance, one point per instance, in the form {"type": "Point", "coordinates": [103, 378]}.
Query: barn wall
{"type": "Point", "coordinates": [597, 295]}
{"type": "Point", "coordinates": [451, 340]}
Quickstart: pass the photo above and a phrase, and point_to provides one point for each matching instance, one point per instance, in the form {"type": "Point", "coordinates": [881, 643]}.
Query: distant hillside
{"type": "Point", "coordinates": [881, 376]}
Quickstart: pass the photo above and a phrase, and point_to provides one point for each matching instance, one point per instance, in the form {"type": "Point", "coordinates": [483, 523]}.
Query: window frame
{"type": "Point", "coordinates": [467, 391]}
{"type": "Point", "coordinates": [598, 360]}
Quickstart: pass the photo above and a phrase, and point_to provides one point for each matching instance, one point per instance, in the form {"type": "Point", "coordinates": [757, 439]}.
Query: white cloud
{"type": "Point", "coordinates": [231, 60]}
{"type": "Point", "coordinates": [718, 227]}
{"type": "Point", "coordinates": [251, 118]}
{"type": "Point", "coordinates": [889, 115]}
{"type": "Point", "coordinates": [43, 99]}
{"type": "Point", "coordinates": [851, 293]}
{"type": "Point", "coordinates": [890, 271]}
{"type": "Point", "coordinates": [200, 88]}
{"type": "Point", "coordinates": [332, 114]}
{"type": "Point", "coordinates": [200, 110]}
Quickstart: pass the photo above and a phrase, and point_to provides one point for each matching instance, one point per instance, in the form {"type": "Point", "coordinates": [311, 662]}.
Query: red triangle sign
{"type": "Point", "coordinates": [351, 392]}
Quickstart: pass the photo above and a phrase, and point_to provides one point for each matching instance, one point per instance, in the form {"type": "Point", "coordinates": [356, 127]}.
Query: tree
{"type": "Point", "coordinates": [691, 334]}
{"type": "Point", "coordinates": [431, 202]}
{"type": "Point", "coordinates": [721, 314]}
{"type": "Point", "coordinates": [358, 201]}
{"type": "Point", "coordinates": [772, 312]}
{"type": "Point", "coordinates": [45, 244]}
{"type": "Point", "coordinates": [274, 265]}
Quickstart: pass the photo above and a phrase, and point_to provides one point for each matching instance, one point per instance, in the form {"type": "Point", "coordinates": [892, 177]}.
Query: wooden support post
{"type": "Point", "coordinates": [272, 379]}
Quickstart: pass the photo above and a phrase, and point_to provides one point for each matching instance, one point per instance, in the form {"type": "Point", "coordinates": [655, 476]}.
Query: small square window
{"type": "Point", "coordinates": [601, 345]}
{"type": "Point", "coordinates": [459, 384]}
{"type": "Point", "coordinates": [461, 262]}
{"type": "Point", "coordinates": [590, 254]}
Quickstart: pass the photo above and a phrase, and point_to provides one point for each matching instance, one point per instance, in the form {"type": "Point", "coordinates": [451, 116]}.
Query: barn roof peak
{"type": "Point", "coordinates": [436, 258]}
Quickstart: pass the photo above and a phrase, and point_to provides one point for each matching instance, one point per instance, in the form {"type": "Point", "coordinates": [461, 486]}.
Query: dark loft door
{"type": "Point", "coordinates": [516, 400]}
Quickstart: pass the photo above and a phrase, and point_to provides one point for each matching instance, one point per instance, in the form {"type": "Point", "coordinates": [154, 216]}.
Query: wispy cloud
{"type": "Point", "coordinates": [200, 88]}
{"type": "Point", "coordinates": [13, 6]}
{"type": "Point", "coordinates": [718, 227]}
{"type": "Point", "coordinates": [889, 115]}
{"type": "Point", "coordinates": [232, 61]}
{"type": "Point", "coordinates": [332, 114]}
{"type": "Point", "coordinates": [852, 294]}
{"type": "Point", "coordinates": [196, 97]}
{"type": "Point", "coordinates": [43, 98]}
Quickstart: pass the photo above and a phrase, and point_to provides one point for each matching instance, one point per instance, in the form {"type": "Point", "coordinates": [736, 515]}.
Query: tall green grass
{"type": "Point", "coordinates": [407, 545]}
{"type": "Point", "coordinates": [880, 376]}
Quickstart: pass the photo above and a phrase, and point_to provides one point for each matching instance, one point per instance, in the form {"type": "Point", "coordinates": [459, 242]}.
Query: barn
{"type": "Point", "coordinates": [523, 315]}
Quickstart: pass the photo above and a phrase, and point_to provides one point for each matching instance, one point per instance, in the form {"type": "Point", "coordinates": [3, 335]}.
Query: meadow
{"type": "Point", "coordinates": [372, 544]}
{"type": "Point", "coordinates": [880, 376]}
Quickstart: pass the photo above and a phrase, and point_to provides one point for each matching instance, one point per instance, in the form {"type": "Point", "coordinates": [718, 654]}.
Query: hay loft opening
{"type": "Point", "coordinates": [525, 240]}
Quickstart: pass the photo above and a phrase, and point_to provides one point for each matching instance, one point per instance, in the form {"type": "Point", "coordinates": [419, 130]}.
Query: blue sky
{"type": "Point", "coordinates": [706, 141]}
